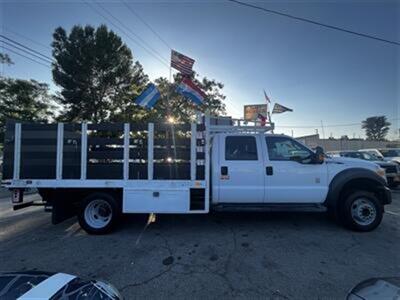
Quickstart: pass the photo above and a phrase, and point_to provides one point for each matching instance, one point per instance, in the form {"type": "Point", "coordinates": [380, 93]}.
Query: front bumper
{"type": "Point", "coordinates": [385, 195]}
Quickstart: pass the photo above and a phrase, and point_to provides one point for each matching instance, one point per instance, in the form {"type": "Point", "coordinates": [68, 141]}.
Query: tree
{"type": "Point", "coordinates": [94, 69]}
{"type": "Point", "coordinates": [125, 108]}
{"type": "Point", "coordinates": [5, 59]}
{"type": "Point", "coordinates": [180, 108]}
{"type": "Point", "coordinates": [376, 128]}
{"type": "Point", "coordinates": [26, 100]}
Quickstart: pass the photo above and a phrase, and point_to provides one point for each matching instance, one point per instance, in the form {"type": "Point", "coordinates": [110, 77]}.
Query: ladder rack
{"type": "Point", "coordinates": [227, 124]}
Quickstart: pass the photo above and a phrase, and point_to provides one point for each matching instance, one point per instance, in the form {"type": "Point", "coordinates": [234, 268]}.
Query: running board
{"type": "Point", "coordinates": [306, 207]}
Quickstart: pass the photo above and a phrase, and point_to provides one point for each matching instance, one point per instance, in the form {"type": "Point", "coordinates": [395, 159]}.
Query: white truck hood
{"type": "Point", "coordinates": [393, 159]}
{"type": "Point", "coordinates": [348, 162]}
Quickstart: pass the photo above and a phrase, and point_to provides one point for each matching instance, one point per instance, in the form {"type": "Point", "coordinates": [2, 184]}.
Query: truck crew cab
{"type": "Point", "coordinates": [234, 166]}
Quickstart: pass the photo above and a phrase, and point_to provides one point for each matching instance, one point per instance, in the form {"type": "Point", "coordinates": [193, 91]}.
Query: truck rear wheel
{"type": "Point", "coordinates": [98, 213]}
{"type": "Point", "coordinates": [362, 211]}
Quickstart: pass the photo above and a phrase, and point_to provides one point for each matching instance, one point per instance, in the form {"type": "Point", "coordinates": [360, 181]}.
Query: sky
{"type": "Point", "coordinates": [329, 78]}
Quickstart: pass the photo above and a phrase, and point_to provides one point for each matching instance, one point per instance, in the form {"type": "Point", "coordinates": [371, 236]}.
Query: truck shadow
{"type": "Point", "coordinates": [255, 220]}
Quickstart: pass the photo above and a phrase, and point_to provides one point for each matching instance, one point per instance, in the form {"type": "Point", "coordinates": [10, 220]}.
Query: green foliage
{"type": "Point", "coordinates": [180, 108]}
{"type": "Point", "coordinates": [5, 59]}
{"type": "Point", "coordinates": [99, 82]}
{"type": "Point", "coordinates": [125, 109]}
{"type": "Point", "coordinates": [95, 72]}
{"type": "Point", "coordinates": [26, 100]}
{"type": "Point", "coordinates": [376, 128]}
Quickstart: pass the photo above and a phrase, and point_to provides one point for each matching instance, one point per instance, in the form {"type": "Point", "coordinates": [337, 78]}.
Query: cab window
{"type": "Point", "coordinates": [240, 148]}
{"type": "Point", "coordinates": [283, 148]}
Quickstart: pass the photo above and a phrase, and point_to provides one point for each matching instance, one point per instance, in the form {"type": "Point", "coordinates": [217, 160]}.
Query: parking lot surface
{"type": "Point", "coordinates": [237, 255]}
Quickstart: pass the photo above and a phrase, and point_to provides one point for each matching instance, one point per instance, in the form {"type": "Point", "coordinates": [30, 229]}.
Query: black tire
{"type": "Point", "coordinates": [368, 211]}
{"type": "Point", "coordinates": [107, 216]}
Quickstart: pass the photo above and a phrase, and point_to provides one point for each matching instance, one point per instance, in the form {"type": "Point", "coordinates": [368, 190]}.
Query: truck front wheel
{"type": "Point", "coordinates": [98, 213]}
{"type": "Point", "coordinates": [362, 211]}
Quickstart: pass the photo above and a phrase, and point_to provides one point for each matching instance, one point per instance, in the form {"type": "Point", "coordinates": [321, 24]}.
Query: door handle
{"type": "Point", "coordinates": [269, 170]}
{"type": "Point", "coordinates": [224, 170]}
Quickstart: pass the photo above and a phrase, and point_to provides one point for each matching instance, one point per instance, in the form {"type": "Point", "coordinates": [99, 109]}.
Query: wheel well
{"type": "Point", "coordinates": [364, 184]}
{"type": "Point", "coordinates": [65, 201]}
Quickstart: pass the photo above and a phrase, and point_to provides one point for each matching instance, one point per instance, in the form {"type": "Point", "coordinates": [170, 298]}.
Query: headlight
{"type": "Point", "coordinates": [381, 172]}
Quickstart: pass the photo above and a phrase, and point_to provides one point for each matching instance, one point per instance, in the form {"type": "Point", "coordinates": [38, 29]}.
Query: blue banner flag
{"type": "Point", "coordinates": [148, 97]}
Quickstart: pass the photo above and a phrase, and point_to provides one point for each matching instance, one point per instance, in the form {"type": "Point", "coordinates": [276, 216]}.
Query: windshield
{"type": "Point", "coordinates": [390, 152]}
{"type": "Point", "coordinates": [368, 156]}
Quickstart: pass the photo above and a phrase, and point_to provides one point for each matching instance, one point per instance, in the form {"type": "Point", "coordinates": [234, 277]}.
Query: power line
{"type": "Point", "coordinates": [315, 22]}
{"type": "Point", "coordinates": [31, 59]}
{"type": "Point", "coordinates": [27, 38]}
{"type": "Point", "coordinates": [131, 31]}
{"type": "Point", "coordinates": [147, 24]}
{"type": "Point", "coordinates": [27, 52]}
{"type": "Point", "coordinates": [26, 47]}
{"type": "Point", "coordinates": [118, 27]}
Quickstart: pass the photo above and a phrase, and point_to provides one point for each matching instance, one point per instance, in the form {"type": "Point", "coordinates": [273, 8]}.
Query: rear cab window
{"type": "Point", "coordinates": [241, 148]}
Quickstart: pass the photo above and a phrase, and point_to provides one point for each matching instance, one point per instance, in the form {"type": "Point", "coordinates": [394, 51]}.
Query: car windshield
{"type": "Point", "coordinates": [368, 156]}
{"type": "Point", "coordinates": [390, 152]}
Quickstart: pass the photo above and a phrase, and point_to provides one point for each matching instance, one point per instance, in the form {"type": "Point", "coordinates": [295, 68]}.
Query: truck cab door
{"type": "Point", "coordinates": [240, 169]}
{"type": "Point", "coordinates": [290, 176]}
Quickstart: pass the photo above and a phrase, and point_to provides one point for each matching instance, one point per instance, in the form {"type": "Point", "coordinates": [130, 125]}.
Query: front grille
{"type": "Point", "coordinates": [390, 169]}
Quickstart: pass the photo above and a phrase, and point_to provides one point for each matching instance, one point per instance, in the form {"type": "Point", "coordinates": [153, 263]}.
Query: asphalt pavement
{"type": "Point", "coordinates": [221, 255]}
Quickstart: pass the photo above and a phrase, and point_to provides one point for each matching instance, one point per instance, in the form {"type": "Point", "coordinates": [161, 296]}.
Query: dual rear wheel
{"type": "Point", "coordinates": [98, 213]}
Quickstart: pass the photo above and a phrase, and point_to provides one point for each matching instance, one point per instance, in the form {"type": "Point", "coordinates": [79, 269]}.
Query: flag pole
{"type": "Point", "coordinates": [168, 94]}
{"type": "Point", "coordinates": [170, 119]}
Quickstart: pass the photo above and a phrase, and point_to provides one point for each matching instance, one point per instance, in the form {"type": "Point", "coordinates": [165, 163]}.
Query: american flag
{"type": "Point", "coordinates": [181, 62]}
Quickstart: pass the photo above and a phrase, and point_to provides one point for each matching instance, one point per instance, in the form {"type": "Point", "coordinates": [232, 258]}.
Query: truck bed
{"type": "Point", "coordinates": [47, 149]}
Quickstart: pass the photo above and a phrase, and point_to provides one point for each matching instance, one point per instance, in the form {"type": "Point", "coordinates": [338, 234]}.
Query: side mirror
{"type": "Point", "coordinates": [319, 150]}
{"type": "Point", "coordinates": [319, 155]}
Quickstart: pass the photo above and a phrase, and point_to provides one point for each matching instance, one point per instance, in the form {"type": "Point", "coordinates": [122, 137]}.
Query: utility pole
{"type": "Point", "coordinates": [323, 131]}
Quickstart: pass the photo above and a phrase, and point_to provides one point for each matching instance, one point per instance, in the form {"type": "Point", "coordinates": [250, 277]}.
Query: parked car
{"type": "Point", "coordinates": [392, 170]}
{"type": "Point", "coordinates": [37, 285]}
{"type": "Point", "coordinates": [388, 154]}
{"type": "Point", "coordinates": [376, 289]}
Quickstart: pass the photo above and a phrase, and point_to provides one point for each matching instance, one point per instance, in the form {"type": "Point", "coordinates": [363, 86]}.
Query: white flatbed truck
{"type": "Point", "coordinates": [99, 171]}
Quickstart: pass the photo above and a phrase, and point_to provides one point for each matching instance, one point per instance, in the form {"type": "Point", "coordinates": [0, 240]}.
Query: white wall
{"type": "Point", "coordinates": [336, 145]}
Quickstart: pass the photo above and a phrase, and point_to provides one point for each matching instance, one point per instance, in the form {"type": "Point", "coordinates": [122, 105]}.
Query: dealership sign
{"type": "Point", "coordinates": [251, 112]}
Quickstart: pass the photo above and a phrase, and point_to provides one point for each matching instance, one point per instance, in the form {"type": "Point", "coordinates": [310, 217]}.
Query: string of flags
{"type": "Point", "coordinates": [187, 88]}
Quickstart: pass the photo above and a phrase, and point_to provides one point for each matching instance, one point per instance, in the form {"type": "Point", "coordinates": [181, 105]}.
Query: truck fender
{"type": "Point", "coordinates": [361, 178]}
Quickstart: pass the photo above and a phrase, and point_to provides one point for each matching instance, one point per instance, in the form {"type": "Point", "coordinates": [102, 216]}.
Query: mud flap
{"type": "Point", "coordinates": [62, 210]}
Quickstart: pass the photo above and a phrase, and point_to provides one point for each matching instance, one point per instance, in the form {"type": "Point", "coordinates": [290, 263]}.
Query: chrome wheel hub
{"type": "Point", "coordinates": [363, 211]}
{"type": "Point", "coordinates": [98, 213]}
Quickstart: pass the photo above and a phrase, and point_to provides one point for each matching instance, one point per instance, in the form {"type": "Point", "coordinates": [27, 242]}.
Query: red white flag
{"type": "Point", "coordinates": [263, 119]}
